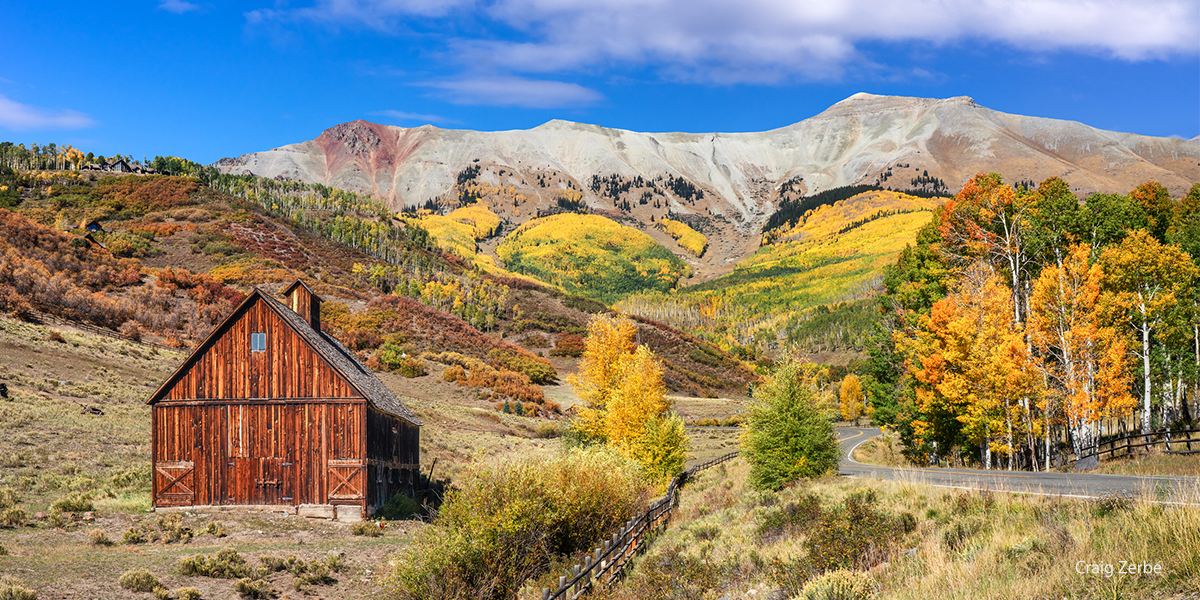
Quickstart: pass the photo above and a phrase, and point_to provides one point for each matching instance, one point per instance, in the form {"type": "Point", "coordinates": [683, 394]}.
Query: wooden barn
{"type": "Point", "coordinates": [271, 410]}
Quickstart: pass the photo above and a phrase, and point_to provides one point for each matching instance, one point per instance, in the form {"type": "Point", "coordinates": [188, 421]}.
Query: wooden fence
{"type": "Point", "coordinates": [606, 562]}
{"type": "Point", "coordinates": [1184, 441]}
{"type": "Point", "coordinates": [45, 318]}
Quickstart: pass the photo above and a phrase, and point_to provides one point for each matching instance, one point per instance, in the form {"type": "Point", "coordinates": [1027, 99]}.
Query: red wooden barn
{"type": "Point", "coordinates": [271, 410]}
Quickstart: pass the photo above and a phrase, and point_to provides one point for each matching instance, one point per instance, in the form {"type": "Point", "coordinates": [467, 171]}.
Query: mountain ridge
{"type": "Point", "coordinates": [728, 182]}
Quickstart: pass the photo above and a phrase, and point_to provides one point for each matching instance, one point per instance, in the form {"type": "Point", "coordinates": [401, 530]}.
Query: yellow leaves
{"type": "Point", "coordinates": [689, 239]}
{"type": "Point", "coordinates": [625, 400]}
{"type": "Point", "coordinates": [851, 395]}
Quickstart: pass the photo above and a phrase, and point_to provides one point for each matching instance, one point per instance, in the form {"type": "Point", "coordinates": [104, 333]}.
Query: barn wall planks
{"type": "Point", "coordinates": [260, 453]}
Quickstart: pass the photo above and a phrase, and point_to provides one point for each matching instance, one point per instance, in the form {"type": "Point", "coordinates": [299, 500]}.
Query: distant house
{"type": "Point", "coordinates": [271, 410]}
{"type": "Point", "coordinates": [119, 166]}
{"type": "Point", "coordinates": [94, 227]}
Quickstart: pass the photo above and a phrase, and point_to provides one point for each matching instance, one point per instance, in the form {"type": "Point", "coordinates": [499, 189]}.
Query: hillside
{"type": "Point", "coordinates": [591, 256]}
{"type": "Point", "coordinates": [163, 259]}
{"type": "Point", "coordinates": [830, 262]}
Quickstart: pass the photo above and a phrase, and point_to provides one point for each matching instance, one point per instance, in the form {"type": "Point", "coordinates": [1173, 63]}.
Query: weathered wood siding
{"type": "Point", "coordinates": [288, 368]}
{"type": "Point", "coordinates": [279, 452]}
{"type": "Point", "coordinates": [393, 456]}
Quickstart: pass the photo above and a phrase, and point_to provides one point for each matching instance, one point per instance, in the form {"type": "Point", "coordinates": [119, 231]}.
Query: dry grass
{"type": "Point", "coordinates": [883, 451]}
{"type": "Point", "coordinates": [1156, 463]}
{"type": "Point", "coordinates": [965, 544]}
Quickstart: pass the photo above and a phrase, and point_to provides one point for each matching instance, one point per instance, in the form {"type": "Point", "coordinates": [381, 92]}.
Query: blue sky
{"type": "Point", "coordinates": [207, 79]}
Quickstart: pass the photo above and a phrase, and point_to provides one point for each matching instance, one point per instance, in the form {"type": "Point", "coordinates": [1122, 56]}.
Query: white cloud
{"type": "Point", "coordinates": [177, 6]}
{"type": "Point", "coordinates": [401, 115]}
{"type": "Point", "coordinates": [764, 40]}
{"type": "Point", "coordinates": [514, 91]}
{"type": "Point", "coordinates": [22, 117]}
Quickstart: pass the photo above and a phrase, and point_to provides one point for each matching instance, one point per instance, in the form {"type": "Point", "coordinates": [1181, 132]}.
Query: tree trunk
{"type": "Point", "coordinates": [1145, 373]}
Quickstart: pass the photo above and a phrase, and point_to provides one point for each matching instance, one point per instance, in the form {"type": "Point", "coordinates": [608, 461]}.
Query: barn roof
{"type": "Point", "coordinates": [329, 347]}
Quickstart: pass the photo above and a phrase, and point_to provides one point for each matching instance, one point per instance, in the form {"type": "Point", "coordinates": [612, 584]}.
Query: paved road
{"type": "Point", "coordinates": [1074, 485]}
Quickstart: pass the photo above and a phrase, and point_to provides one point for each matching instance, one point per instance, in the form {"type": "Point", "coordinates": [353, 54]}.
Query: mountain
{"type": "Point", "coordinates": [729, 179]}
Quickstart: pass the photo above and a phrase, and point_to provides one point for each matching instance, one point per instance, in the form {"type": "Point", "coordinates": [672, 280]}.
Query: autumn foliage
{"type": "Point", "coordinates": [625, 405]}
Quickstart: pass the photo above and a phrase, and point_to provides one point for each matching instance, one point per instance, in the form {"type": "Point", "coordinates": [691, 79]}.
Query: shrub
{"type": "Point", "coordinates": [11, 589]}
{"type": "Point", "coordinates": [537, 369]}
{"type": "Point", "coordinates": [226, 564]}
{"type": "Point", "coordinates": [536, 340]}
{"type": "Point", "coordinates": [161, 593]}
{"type": "Point", "coordinates": [399, 507]}
{"type": "Point", "coordinates": [76, 502]}
{"type": "Point", "coordinates": [216, 529]}
{"type": "Point", "coordinates": [569, 344]}
{"type": "Point", "coordinates": [393, 358]}
{"type": "Point", "coordinates": [790, 518]}
{"type": "Point", "coordinates": [839, 585]}
{"type": "Point", "coordinates": [507, 520]}
{"type": "Point", "coordinates": [98, 538]}
{"type": "Point", "coordinates": [13, 517]}
{"type": "Point", "coordinates": [253, 588]}
{"type": "Point", "coordinates": [133, 535]}
{"type": "Point", "coordinates": [789, 436]}
{"type": "Point", "coordinates": [187, 593]}
{"type": "Point", "coordinates": [857, 536]}
{"type": "Point", "coordinates": [366, 528]}
{"type": "Point", "coordinates": [8, 498]}
{"type": "Point", "coordinates": [3, 550]}
{"type": "Point", "coordinates": [454, 373]}
{"type": "Point", "coordinates": [138, 580]}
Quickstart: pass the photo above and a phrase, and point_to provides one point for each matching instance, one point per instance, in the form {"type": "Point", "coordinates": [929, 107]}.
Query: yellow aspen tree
{"type": "Point", "coordinates": [851, 395]}
{"type": "Point", "coordinates": [637, 397]}
{"type": "Point", "coordinates": [1147, 279]}
{"type": "Point", "coordinates": [608, 340]}
{"type": "Point", "coordinates": [972, 365]}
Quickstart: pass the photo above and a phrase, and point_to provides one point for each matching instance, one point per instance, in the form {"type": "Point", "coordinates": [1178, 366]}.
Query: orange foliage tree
{"type": "Point", "coordinates": [1083, 359]}
{"type": "Point", "coordinates": [971, 367]}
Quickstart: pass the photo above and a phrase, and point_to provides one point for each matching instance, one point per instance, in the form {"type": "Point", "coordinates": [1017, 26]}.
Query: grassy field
{"type": "Point", "coordinates": [53, 448]}
{"type": "Point", "coordinates": [912, 541]}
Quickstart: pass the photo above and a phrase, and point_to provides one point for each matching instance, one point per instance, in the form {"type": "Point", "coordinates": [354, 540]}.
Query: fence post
{"type": "Point", "coordinates": [545, 593]}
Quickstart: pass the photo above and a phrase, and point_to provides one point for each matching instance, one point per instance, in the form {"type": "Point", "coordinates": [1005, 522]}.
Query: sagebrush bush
{"type": "Point", "coordinates": [791, 518]}
{"type": "Point", "coordinates": [225, 564]}
{"type": "Point", "coordinates": [187, 593]}
{"type": "Point", "coordinates": [366, 528]}
{"type": "Point", "coordinates": [856, 536]}
{"type": "Point", "coordinates": [76, 502]}
{"type": "Point", "coordinates": [98, 538]}
{"type": "Point", "coordinates": [507, 520]}
{"type": "Point", "coordinates": [253, 588]}
{"type": "Point", "coordinates": [8, 498]}
{"type": "Point", "coordinates": [11, 589]}
{"type": "Point", "coordinates": [139, 580]}
{"type": "Point", "coordinates": [839, 585]}
{"type": "Point", "coordinates": [13, 517]}
{"type": "Point", "coordinates": [789, 435]}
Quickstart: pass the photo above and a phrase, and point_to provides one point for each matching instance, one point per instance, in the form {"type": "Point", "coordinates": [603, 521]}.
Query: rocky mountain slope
{"type": "Point", "coordinates": [729, 180]}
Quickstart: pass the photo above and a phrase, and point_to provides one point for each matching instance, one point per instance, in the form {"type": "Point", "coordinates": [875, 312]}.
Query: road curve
{"type": "Point", "coordinates": [1170, 489]}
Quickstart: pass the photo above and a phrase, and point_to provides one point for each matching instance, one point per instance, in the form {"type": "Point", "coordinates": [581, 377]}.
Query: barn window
{"type": "Point", "coordinates": [258, 342]}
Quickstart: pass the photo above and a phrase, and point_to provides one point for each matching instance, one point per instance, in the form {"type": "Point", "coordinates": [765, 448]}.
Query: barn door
{"type": "Point", "coordinates": [347, 480]}
{"type": "Point", "coordinates": [175, 482]}
{"type": "Point", "coordinates": [270, 475]}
